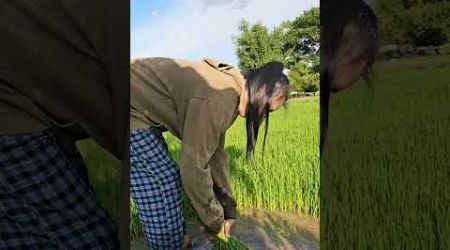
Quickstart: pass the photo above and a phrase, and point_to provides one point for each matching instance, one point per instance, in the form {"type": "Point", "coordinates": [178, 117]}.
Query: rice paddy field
{"type": "Point", "coordinates": [386, 170]}
{"type": "Point", "coordinates": [286, 177]}
{"type": "Point", "coordinates": [384, 177]}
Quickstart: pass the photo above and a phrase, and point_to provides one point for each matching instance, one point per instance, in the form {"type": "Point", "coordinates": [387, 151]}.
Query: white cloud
{"type": "Point", "coordinates": [238, 4]}
{"type": "Point", "coordinates": [190, 31]}
{"type": "Point", "coordinates": [216, 2]}
{"type": "Point", "coordinates": [241, 4]}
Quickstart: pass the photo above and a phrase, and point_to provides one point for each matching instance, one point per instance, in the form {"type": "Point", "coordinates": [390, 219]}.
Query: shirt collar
{"type": "Point", "coordinates": [229, 70]}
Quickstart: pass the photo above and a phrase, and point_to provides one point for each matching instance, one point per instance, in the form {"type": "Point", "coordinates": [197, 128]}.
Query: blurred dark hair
{"type": "Point", "coordinates": [349, 24]}
{"type": "Point", "coordinates": [262, 84]}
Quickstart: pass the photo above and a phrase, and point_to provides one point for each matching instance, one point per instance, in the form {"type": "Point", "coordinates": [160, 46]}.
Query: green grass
{"type": "Point", "coordinates": [136, 230]}
{"type": "Point", "coordinates": [287, 177]}
{"type": "Point", "coordinates": [104, 175]}
{"type": "Point", "coordinates": [385, 175]}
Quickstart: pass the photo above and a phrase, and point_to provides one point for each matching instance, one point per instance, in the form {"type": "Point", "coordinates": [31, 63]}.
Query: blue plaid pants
{"type": "Point", "coordinates": [156, 190]}
{"type": "Point", "coordinates": [45, 199]}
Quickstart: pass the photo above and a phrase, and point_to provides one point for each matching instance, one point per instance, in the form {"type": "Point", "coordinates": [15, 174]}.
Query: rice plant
{"type": "Point", "coordinates": [285, 175]}
{"type": "Point", "coordinates": [230, 244]}
{"type": "Point", "coordinates": [385, 175]}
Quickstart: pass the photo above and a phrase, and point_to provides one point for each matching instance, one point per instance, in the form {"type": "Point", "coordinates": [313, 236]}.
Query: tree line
{"type": "Point", "coordinates": [414, 22]}
{"type": "Point", "coordinates": [295, 43]}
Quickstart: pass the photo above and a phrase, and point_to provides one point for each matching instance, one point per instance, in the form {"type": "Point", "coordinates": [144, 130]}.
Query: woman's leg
{"type": "Point", "coordinates": [45, 199]}
{"type": "Point", "coordinates": [156, 190]}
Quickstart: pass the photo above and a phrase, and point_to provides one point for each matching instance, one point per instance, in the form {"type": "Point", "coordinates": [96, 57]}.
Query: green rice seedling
{"type": "Point", "coordinates": [286, 174]}
{"type": "Point", "coordinates": [136, 230]}
{"type": "Point", "coordinates": [385, 176]}
{"type": "Point", "coordinates": [230, 244]}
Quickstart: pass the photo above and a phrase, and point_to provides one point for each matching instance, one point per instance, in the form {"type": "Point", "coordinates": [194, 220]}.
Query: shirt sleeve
{"type": "Point", "coordinates": [201, 132]}
{"type": "Point", "coordinates": [220, 172]}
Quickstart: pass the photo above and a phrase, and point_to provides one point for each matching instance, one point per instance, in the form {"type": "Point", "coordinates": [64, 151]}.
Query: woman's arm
{"type": "Point", "coordinates": [220, 172]}
{"type": "Point", "coordinates": [201, 134]}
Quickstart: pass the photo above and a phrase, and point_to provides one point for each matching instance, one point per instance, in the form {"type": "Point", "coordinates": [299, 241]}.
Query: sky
{"type": "Point", "coordinates": [196, 29]}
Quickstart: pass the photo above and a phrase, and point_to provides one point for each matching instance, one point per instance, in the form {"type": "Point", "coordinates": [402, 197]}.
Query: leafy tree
{"type": "Point", "coordinates": [256, 46]}
{"type": "Point", "coordinates": [392, 20]}
{"type": "Point", "coordinates": [294, 43]}
{"type": "Point", "coordinates": [302, 40]}
{"type": "Point", "coordinates": [425, 27]}
{"type": "Point", "coordinates": [304, 78]}
{"type": "Point", "coordinates": [414, 22]}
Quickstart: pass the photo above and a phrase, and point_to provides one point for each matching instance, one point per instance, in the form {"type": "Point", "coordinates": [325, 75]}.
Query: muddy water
{"type": "Point", "coordinates": [260, 230]}
{"type": "Point", "coordinates": [277, 230]}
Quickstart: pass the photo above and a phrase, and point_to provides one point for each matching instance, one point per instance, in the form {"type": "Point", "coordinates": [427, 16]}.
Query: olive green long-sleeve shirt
{"type": "Point", "coordinates": [65, 64]}
{"type": "Point", "coordinates": [197, 102]}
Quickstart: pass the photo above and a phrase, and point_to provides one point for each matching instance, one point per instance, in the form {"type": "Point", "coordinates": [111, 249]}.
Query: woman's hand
{"type": "Point", "coordinates": [227, 226]}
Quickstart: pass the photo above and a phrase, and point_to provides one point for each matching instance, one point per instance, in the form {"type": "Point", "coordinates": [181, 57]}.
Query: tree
{"type": "Point", "coordinates": [304, 78]}
{"type": "Point", "coordinates": [294, 43]}
{"type": "Point", "coordinates": [302, 40]}
{"type": "Point", "coordinates": [425, 27]}
{"type": "Point", "coordinates": [414, 22]}
{"type": "Point", "coordinates": [392, 20]}
{"type": "Point", "coordinates": [256, 46]}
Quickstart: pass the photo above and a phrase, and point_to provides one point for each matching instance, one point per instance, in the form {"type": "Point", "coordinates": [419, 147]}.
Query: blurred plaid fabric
{"type": "Point", "coordinates": [45, 199]}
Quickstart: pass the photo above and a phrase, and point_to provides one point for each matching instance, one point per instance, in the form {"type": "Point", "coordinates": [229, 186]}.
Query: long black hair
{"type": "Point", "coordinates": [349, 32]}
{"type": "Point", "coordinates": [262, 84]}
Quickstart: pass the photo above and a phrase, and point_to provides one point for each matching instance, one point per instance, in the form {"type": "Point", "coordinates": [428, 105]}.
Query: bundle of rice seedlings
{"type": "Point", "coordinates": [231, 243]}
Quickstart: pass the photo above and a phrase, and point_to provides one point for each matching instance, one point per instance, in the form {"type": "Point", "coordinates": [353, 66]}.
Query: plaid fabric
{"type": "Point", "coordinates": [45, 200]}
{"type": "Point", "coordinates": [156, 190]}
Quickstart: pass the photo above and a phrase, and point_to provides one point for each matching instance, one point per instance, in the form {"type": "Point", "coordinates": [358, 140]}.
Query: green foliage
{"type": "Point", "coordinates": [304, 78]}
{"type": "Point", "coordinates": [393, 27]}
{"type": "Point", "coordinates": [425, 27]}
{"type": "Point", "coordinates": [302, 39]}
{"type": "Point", "coordinates": [415, 22]}
{"type": "Point", "coordinates": [257, 46]}
{"type": "Point", "coordinates": [136, 230]}
{"type": "Point", "coordinates": [293, 43]}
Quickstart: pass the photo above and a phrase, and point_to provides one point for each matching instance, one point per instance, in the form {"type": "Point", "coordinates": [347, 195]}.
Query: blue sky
{"type": "Point", "coordinates": [195, 29]}
{"type": "Point", "coordinates": [144, 11]}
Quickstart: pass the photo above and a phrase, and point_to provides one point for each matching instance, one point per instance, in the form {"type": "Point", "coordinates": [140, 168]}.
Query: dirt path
{"type": "Point", "coordinates": [269, 230]}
